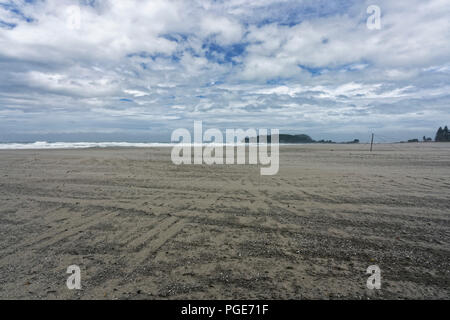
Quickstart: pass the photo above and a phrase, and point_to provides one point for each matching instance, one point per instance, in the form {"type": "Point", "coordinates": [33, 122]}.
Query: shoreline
{"type": "Point", "coordinates": [119, 145]}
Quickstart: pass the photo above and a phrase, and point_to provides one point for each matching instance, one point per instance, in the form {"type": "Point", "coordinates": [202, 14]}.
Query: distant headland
{"type": "Point", "coordinates": [298, 138]}
{"type": "Point", "coordinates": [442, 135]}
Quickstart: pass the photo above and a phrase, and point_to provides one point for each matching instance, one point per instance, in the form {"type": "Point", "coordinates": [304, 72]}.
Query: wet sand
{"type": "Point", "coordinates": [141, 227]}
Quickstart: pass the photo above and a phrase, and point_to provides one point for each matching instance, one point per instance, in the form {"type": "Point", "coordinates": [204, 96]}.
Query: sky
{"type": "Point", "coordinates": [103, 70]}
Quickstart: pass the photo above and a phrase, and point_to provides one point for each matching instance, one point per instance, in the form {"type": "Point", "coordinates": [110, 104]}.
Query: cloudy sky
{"type": "Point", "coordinates": [130, 70]}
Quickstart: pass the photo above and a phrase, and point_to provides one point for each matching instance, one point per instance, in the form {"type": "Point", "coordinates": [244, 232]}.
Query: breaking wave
{"type": "Point", "coordinates": [77, 145]}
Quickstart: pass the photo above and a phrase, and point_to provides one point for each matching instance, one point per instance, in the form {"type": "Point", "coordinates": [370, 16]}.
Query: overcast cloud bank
{"type": "Point", "coordinates": [136, 70]}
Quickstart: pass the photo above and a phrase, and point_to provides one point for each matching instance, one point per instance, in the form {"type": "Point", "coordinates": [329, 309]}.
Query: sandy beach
{"type": "Point", "coordinates": [140, 227]}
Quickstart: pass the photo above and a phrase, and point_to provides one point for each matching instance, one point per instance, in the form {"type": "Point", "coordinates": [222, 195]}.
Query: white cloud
{"type": "Point", "coordinates": [277, 63]}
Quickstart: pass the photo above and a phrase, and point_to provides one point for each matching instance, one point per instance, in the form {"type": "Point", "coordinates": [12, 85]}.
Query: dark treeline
{"type": "Point", "coordinates": [298, 138]}
{"type": "Point", "coordinates": [442, 135]}
{"type": "Point", "coordinates": [287, 138]}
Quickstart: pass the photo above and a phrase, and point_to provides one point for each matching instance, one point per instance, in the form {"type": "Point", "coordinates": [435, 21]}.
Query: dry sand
{"type": "Point", "coordinates": [140, 227]}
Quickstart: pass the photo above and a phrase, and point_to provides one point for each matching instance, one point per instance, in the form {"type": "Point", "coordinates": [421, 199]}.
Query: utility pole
{"type": "Point", "coordinates": [371, 143]}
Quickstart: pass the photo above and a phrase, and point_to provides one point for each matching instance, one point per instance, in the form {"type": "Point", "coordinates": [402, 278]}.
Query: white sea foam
{"type": "Point", "coordinates": [77, 145]}
{"type": "Point", "coordinates": [86, 145]}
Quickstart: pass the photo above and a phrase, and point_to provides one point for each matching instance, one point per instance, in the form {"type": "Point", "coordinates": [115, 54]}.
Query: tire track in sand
{"type": "Point", "coordinates": [150, 242]}
{"type": "Point", "coordinates": [59, 234]}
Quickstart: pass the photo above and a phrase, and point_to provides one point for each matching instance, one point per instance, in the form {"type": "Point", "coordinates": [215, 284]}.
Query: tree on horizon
{"type": "Point", "coordinates": [442, 135]}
